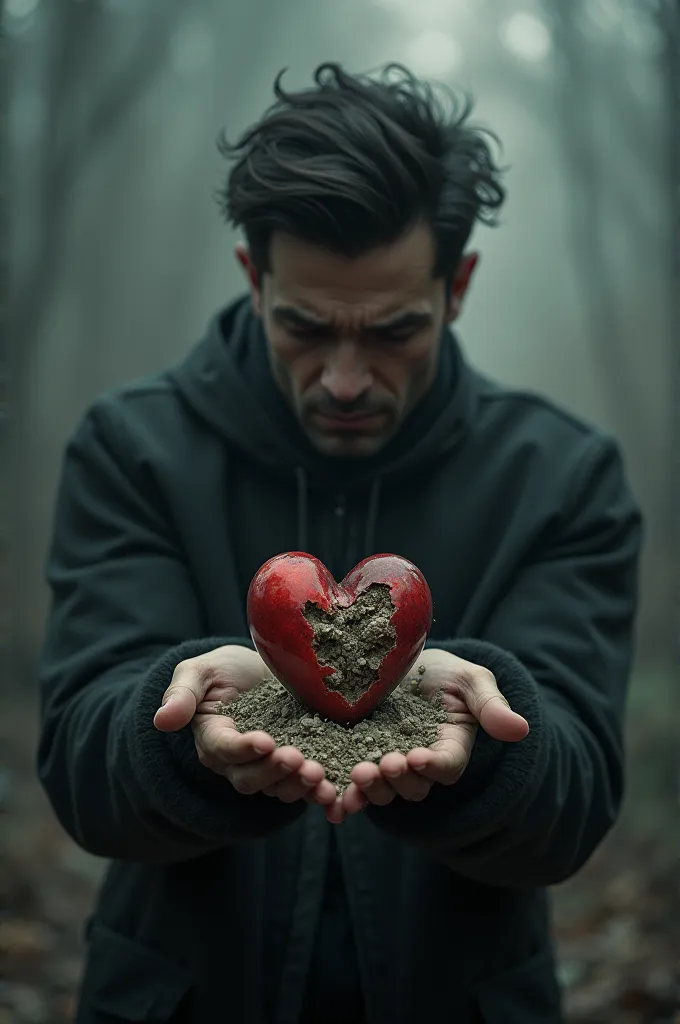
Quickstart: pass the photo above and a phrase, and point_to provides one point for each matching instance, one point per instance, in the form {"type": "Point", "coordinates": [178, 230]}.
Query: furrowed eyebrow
{"type": "Point", "coordinates": [403, 320]}
{"type": "Point", "coordinates": [289, 316]}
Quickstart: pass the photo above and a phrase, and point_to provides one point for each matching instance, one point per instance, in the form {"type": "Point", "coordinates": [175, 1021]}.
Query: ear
{"type": "Point", "coordinates": [461, 283]}
{"type": "Point", "coordinates": [244, 258]}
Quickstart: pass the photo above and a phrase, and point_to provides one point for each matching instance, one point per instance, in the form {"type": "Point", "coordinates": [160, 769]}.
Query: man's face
{"type": "Point", "coordinates": [354, 343]}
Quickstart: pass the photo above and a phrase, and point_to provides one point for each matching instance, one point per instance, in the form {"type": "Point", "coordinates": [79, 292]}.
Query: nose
{"type": "Point", "coordinates": [346, 375]}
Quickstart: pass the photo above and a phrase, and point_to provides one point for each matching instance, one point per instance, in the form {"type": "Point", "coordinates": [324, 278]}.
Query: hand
{"type": "Point", "coordinates": [251, 761]}
{"type": "Point", "coordinates": [471, 698]}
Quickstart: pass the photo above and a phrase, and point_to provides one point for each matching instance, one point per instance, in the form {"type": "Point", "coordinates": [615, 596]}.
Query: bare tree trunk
{"type": "Point", "coordinates": [590, 257]}
{"type": "Point", "coordinates": [4, 350]}
{"type": "Point", "coordinates": [75, 132]}
{"type": "Point", "coordinates": [669, 15]}
{"type": "Point", "coordinates": [4, 347]}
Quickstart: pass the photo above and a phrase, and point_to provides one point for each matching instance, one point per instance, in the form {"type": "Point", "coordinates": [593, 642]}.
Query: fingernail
{"type": "Point", "coordinates": [306, 782]}
{"type": "Point", "coordinates": [168, 698]}
{"type": "Point", "coordinates": [259, 750]}
{"type": "Point", "coordinates": [367, 785]}
{"type": "Point", "coordinates": [393, 774]}
{"type": "Point", "coordinates": [286, 768]}
{"type": "Point", "coordinates": [418, 765]}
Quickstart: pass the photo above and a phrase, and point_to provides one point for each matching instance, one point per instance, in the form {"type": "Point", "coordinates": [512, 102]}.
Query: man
{"type": "Point", "coordinates": [332, 411]}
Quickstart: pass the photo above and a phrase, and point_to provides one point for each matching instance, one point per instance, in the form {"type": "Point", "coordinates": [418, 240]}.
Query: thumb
{"type": "Point", "coordinates": [182, 697]}
{"type": "Point", "coordinates": [491, 708]}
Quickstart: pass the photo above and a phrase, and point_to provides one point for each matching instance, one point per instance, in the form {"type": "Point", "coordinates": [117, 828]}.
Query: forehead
{"type": "Point", "coordinates": [379, 282]}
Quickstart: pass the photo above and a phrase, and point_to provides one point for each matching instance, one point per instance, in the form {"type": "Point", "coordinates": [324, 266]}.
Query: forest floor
{"type": "Point", "coordinates": [617, 924]}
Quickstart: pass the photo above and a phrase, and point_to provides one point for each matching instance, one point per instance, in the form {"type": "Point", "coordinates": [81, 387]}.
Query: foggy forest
{"type": "Point", "coordinates": [117, 258]}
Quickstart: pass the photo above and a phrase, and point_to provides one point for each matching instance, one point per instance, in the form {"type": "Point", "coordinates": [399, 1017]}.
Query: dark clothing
{"type": "Point", "coordinates": [223, 907]}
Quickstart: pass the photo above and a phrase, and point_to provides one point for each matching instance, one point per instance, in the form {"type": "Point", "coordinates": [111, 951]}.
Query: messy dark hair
{"type": "Point", "coordinates": [353, 162]}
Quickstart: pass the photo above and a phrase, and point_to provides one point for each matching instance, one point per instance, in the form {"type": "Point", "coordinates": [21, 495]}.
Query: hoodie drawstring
{"type": "Point", "coordinates": [301, 508]}
{"type": "Point", "coordinates": [302, 513]}
{"type": "Point", "coordinates": [372, 517]}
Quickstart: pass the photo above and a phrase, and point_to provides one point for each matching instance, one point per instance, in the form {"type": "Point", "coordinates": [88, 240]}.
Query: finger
{"type": "Point", "coordinates": [259, 775]}
{"type": "Point", "coordinates": [353, 800]}
{"type": "Point", "coordinates": [325, 794]}
{"type": "Point", "coordinates": [180, 700]}
{"type": "Point", "coordinates": [491, 708]}
{"type": "Point", "coordinates": [335, 812]}
{"type": "Point", "coordinates": [443, 762]}
{"type": "Point", "coordinates": [288, 791]}
{"type": "Point", "coordinates": [292, 789]}
{"type": "Point", "coordinates": [407, 783]}
{"type": "Point", "coordinates": [217, 739]}
{"type": "Point", "coordinates": [296, 786]}
{"type": "Point", "coordinates": [317, 787]}
{"type": "Point", "coordinates": [369, 779]}
{"type": "Point", "coordinates": [393, 764]}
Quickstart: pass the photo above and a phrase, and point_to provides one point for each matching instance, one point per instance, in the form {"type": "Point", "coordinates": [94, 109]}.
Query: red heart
{"type": "Point", "coordinates": [312, 632]}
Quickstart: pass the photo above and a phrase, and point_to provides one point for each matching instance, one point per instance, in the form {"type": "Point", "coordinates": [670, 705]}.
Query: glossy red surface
{"type": "Point", "coordinates": [282, 636]}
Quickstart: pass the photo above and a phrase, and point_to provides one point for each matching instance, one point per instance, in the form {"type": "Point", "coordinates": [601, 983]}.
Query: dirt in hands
{"type": "Point", "coordinates": [403, 721]}
{"type": "Point", "coordinates": [354, 640]}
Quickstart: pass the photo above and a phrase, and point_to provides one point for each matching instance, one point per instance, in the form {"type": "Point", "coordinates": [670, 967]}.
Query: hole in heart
{"type": "Point", "coordinates": [354, 640]}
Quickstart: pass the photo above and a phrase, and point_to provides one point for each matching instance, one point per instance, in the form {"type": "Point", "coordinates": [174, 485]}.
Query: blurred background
{"type": "Point", "coordinates": [117, 258]}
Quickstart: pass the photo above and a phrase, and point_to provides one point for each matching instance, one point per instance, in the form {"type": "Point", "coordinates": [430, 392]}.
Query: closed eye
{"type": "Point", "coordinates": [309, 333]}
{"type": "Point", "coordinates": [394, 335]}
{"type": "Point", "coordinates": [381, 336]}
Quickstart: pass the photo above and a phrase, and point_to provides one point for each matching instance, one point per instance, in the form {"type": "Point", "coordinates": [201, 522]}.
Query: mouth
{"type": "Point", "coordinates": [348, 422]}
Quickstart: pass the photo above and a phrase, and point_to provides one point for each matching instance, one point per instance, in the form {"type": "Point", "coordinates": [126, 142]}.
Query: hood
{"type": "Point", "coordinates": [226, 381]}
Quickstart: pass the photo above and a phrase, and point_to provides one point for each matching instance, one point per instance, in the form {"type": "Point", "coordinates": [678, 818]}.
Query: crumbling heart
{"type": "Point", "coordinates": [339, 648]}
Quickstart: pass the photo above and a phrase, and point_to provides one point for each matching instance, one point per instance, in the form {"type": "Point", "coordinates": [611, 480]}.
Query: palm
{"type": "Point", "coordinates": [461, 725]}
{"type": "Point", "coordinates": [456, 736]}
{"type": "Point", "coordinates": [200, 693]}
{"type": "Point", "coordinates": [224, 674]}
{"type": "Point", "coordinates": [455, 741]}
{"type": "Point", "coordinates": [235, 671]}
{"type": "Point", "coordinates": [228, 683]}
{"type": "Point", "coordinates": [222, 692]}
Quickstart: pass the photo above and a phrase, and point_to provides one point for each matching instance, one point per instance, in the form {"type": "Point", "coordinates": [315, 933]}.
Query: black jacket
{"type": "Point", "coordinates": [217, 906]}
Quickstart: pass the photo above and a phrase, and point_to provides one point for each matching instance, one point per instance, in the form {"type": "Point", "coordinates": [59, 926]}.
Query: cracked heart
{"type": "Point", "coordinates": [339, 648]}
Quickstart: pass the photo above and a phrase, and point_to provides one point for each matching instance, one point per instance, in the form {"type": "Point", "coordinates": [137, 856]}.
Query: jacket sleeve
{"type": "Point", "coordinates": [123, 614]}
{"type": "Point", "coordinates": [560, 645]}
